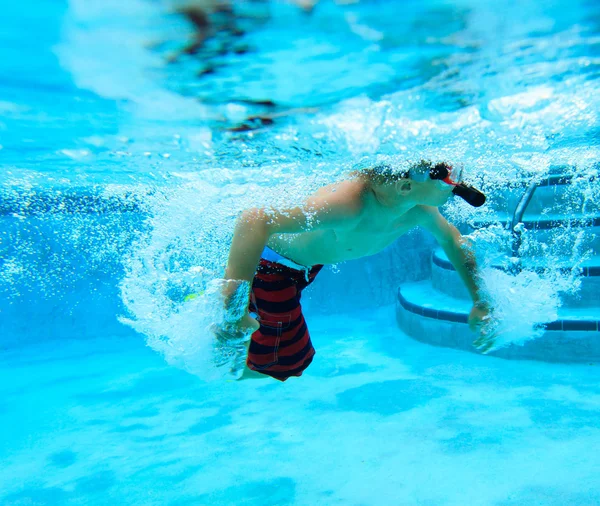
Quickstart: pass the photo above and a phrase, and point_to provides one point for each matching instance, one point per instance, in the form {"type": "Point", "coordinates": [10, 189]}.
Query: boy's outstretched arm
{"type": "Point", "coordinates": [462, 258]}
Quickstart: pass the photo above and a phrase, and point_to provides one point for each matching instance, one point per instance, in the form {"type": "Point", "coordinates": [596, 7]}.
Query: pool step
{"type": "Point", "coordinates": [437, 318]}
{"type": "Point", "coordinates": [446, 280]}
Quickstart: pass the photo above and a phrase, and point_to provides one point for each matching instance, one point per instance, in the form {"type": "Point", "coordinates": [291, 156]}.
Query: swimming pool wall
{"type": "Point", "coordinates": [60, 271]}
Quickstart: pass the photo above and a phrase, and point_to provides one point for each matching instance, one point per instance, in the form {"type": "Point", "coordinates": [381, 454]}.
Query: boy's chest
{"type": "Point", "coordinates": [386, 224]}
{"type": "Point", "coordinates": [370, 237]}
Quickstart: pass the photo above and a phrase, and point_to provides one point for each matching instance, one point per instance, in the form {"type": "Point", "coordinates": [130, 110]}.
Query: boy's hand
{"type": "Point", "coordinates": [480, 322]}
{"type": "Point", "coordinates": [236, 332]}
{"type": "Point", "coordinates": [230, 348]}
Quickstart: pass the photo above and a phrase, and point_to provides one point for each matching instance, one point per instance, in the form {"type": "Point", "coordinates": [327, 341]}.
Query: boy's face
{"type": "Point", "coordinates": [431, 192]}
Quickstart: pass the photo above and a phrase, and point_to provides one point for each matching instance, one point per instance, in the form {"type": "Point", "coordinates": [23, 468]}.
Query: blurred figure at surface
{"type": "Point", "coordinates": [309, 5]}
{"type": "Point", "coordinates": [217, 30]}
{"type": "Point", "coordinates": [210, 17]}
{"type": "Point", "coordinates": [207, 17]}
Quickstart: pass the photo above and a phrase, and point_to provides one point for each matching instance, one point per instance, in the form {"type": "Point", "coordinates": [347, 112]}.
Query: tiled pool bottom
{"type": "Point", "coordinates": [378, 419]}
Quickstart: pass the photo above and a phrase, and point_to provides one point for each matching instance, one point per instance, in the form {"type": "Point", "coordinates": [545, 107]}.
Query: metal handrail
{"type": "Point", "coordinates": [518, 216]}
{"type": "Point", "coordinates": [526, 199]}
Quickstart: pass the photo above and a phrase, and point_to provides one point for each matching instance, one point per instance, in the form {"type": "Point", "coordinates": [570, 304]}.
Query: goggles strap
{"type": "Point", "coordinates": [449, 181]}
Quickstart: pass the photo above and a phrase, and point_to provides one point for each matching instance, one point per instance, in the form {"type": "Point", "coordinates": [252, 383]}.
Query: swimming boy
{"type": "Point", "coordinates": [276, 254]}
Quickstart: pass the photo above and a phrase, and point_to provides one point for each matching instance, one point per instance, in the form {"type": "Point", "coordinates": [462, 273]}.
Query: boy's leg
{"type": "Point", "coordinates": [250, 374]}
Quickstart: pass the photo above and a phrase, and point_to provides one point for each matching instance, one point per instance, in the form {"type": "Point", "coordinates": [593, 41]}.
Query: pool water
{"type": "Point", "coordinates": [124, 166]}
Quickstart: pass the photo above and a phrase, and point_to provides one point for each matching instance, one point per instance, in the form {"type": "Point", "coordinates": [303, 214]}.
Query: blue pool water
{"type": "Point", "coordinates": [123, 168]}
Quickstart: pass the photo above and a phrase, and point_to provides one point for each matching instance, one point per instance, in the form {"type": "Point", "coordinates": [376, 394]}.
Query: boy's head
{"type": "Point", "coordinates": [425, 182]}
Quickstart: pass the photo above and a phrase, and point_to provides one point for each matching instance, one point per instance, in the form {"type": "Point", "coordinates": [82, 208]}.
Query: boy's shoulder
{"type": "Point", "coordinates": [349, 192]}
{"type": "Point", "coordinates": [351, 187]}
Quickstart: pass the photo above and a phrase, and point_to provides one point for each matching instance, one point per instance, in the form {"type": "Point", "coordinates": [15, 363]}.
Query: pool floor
{"type": "Point", "coordinates": [378, 419]}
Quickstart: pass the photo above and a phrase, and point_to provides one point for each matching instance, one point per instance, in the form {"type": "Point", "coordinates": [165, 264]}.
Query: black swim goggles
{"type": "Point", "coordinates": [444, 173]}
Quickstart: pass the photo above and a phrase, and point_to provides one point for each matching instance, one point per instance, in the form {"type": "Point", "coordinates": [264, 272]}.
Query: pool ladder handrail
{"type": "Point", "coordinates": [524, 202]}
{"type": "Point", "coordinates": [518, 217]}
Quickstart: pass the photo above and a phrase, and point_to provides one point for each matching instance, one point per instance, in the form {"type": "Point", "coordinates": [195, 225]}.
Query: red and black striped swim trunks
{"type": "Point", "coordinates": [281, 347]}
